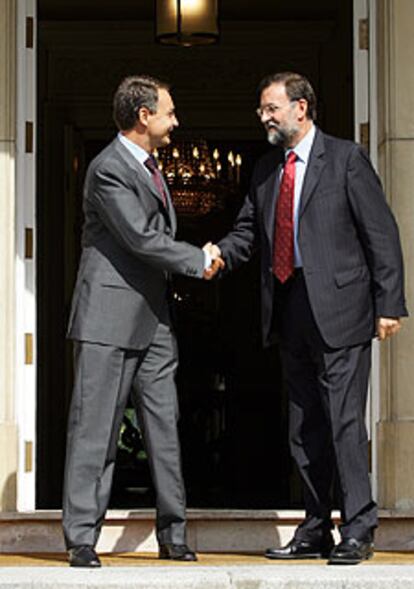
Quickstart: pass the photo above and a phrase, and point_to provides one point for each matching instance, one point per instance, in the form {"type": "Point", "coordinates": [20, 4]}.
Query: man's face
{"type": "Point", "coordinates": [280, 116]}
{"type": "Point", "coordinates": [162, 122]}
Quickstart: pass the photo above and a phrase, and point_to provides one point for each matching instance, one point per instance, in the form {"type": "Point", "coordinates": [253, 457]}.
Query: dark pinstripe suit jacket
{"type": "Point", "coordinates": [128, 251]}
{"type": "Point", "coordinates": [348, 239]}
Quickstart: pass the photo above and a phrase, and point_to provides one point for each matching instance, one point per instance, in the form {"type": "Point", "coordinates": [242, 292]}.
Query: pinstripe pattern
{"type": "Point", "coordinates": [348, 239]}
{"type": "Point", "coordinates": [325, 315]}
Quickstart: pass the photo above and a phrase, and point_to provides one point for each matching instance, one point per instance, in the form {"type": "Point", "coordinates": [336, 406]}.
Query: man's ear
{"type": "Point", "coordinates": [303, 108]}
{"type": "Point", "coordinates": [143, 115]}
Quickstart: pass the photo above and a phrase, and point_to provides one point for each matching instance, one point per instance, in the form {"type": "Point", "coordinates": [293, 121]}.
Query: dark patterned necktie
{"type": "Point", "coordinates": [283, 237]}
{"type": "Point", "coordinates": [151, 164]}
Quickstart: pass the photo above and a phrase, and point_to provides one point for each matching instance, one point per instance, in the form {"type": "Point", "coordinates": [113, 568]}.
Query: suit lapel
{"type": "Point", "coordinates": [314, 170]}
{"type": "Point", "coordinates": [170, 207]}
{"type": "Point", "coordinates": [138, 169]}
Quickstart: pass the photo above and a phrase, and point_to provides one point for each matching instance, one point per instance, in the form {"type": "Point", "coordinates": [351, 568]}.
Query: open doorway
{"type": "Point", "coordinates": [233, 421]}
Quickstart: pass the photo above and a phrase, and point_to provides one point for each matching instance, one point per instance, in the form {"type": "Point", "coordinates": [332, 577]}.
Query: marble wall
{"type": "Point", "coordinates": [396, 160]}
{"type": "Point", "coordinates": [8, 430]}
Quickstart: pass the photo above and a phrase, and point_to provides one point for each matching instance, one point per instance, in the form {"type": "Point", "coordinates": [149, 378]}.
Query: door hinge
{"type": "Point", "coordinates": [28, 348]}
{"type": "Point", "coordinates": [29, 32]}
{"type": "Point", "coordinates": [28, 243]}
{"type": "Point", "coordinates": [28, 456]}
{"type": "Point", "coordinates": [29, 137]}
{"type": "Point", "coordinates": [364, 34]}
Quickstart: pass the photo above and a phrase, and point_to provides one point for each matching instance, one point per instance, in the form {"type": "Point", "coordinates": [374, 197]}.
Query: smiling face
{"type": "Point", "coordinates": [161, 123]}
{"type": "Point", "coordinates": [285, 121]}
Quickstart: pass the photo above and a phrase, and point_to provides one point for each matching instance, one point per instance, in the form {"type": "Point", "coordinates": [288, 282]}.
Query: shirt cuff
{"type": "Point", "coordinates": [207, 260]}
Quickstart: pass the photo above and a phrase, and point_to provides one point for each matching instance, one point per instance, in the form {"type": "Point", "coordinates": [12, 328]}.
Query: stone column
{"type": "Point", "coordinates": [8, 428]}
{"type": "Point", "coordinates": [396, 162]}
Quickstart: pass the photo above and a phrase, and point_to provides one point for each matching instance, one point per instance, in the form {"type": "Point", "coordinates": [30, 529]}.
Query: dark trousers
{"type": "Point", "coordinates": [104, 378]}
{"type": "Point", "coordinates": [327, 390]}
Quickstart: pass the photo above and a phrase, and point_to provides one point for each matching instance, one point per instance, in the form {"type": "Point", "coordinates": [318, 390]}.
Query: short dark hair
{"type": "Point", "coordinates": [297, 87]}
{"type": "Point", "coordinates": [132, 94]}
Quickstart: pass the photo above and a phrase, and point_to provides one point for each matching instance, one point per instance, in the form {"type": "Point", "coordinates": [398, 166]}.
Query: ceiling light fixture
{"type": "Point", "coordinates": [187, 22]}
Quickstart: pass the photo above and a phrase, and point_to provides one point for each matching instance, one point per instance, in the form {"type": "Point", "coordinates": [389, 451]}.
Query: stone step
{"type": "Point", "coordinates": [208, 530]}
{"type": "Point", "coordinates": [208, 577]}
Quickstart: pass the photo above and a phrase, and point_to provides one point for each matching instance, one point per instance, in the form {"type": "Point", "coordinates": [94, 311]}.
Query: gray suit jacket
{"type": "Point", "coordinates": [128, 252]}
{"type": "Point", "coordinates": [348, 238]}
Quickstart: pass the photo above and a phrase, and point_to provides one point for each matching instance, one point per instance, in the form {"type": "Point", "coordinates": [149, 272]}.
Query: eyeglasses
{"type": "Point", "coordinates": [270, 109]}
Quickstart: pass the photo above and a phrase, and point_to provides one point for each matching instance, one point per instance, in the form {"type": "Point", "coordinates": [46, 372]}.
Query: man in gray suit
{"type": "Point", "coordinates": [331, 278]}
{"type": "Point", "coordinates": [120, 321]}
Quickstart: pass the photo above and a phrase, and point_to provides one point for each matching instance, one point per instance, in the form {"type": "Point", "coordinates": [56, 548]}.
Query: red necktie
{"type": "Point", "coordinates": [151, 164]}
{"type": "Point", "coordinates": [283, 240]}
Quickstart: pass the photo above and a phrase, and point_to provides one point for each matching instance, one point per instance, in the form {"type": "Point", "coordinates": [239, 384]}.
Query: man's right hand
{"type": "Point", "coordinates": [217, 261]}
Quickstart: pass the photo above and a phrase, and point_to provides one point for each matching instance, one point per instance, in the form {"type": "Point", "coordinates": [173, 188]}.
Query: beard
{"type": "Point", "coordinates": [280, 135]}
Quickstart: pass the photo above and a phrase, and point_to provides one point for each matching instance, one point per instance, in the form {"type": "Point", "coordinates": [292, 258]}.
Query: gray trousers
{"type": "Point", "coordinates": [104, 378]}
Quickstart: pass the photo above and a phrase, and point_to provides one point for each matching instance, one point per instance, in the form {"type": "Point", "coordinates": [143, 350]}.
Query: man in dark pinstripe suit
{"type": "Point", "coordinates": [331, 279]}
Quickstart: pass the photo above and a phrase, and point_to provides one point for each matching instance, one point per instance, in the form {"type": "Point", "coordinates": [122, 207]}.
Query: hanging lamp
{"type": "Point", "coordinates": [186, 22]}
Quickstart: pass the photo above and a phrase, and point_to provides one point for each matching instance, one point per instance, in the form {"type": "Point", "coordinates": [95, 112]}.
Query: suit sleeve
{"type": "Point", "coordinates": [238, 245]}
{"type": "Point", "coordinates": [124, 215]}
{"type": "Point", "coordinates": [378, 233]}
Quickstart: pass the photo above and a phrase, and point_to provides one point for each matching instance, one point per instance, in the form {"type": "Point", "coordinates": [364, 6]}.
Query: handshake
{"type": "Point", "coordinates": [217, 262]}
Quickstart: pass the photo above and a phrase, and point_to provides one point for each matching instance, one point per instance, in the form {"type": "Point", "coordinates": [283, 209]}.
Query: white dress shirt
{"type": "Point", "coordinates": [302, 151]}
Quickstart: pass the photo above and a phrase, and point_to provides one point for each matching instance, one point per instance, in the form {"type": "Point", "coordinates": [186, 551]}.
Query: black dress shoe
{"type": "Point", "coordinates": [83, 556]}
{"type": "Point", "coordinates": [177, 552]}
{"type": "Point", "coordinates": [351, 551]}
{"type": "Point", "coordinates": [302, 549]}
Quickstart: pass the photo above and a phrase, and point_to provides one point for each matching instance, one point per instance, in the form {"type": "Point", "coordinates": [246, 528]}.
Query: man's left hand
{"type": "Point", "coordinates": [387, 326]}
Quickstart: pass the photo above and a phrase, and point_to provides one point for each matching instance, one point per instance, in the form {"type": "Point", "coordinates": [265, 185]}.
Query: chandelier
{"type": "Point", "coordinates": [198, 180]}
{"type": "Point", "coordinates": [186, 22]}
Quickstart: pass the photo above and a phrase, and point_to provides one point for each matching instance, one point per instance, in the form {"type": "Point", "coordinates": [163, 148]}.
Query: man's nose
{"type": "Point", "coordinates": [264, 118]}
